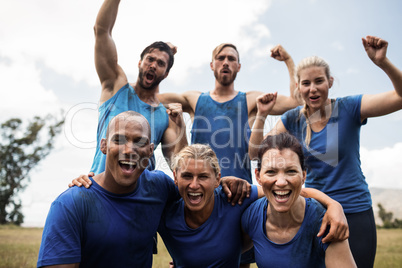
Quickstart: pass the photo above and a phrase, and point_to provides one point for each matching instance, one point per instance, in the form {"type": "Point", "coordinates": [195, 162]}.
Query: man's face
{"type": "Point", "coordinates": [153, 69]}
{"type": "Point", "coordinates": [226, 66]}
{"type": "Point", "coordinates": [127, 150]}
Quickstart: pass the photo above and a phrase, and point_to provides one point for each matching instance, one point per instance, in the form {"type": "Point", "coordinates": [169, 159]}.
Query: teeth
{"type": "Point", "coordinates": [281, 192]}
{"type": "Point", "coordinates": [194, 194]}
{"type": "Point", "coordinates": [127, 163]}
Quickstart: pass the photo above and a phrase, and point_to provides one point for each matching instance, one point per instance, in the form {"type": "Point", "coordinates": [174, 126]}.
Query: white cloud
{"type": "Point", "coordinates": [382, 167]}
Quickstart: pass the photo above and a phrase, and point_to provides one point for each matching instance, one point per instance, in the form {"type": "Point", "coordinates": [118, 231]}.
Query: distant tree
{"type": "Point", "coordinates": [21, 149]}
{"type": "Point", "coordinates": [386, 218]}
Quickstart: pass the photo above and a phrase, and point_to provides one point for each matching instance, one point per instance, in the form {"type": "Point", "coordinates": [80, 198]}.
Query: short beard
{"type": "Point", "coordinates": [156, 82]}
{"type": "Point", "coordinates": [225, 82]}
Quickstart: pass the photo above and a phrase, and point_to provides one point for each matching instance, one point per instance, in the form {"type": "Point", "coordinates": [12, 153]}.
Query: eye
{"type": "Point", "coordinates": [231, 58]}
{"type": "Point", "coordinates": [119, 139]}
{"type": "Point", "coordinates": [305, 83]}
{"type": "Point", "coordinates": [270, 172]}
{"type": "Point", "coordinates": [221, 58]}
{"type": "Point", "coordinates": [292, 172]}
{"type": "Point", "coordinates": [141, 142]}
{"type": "Point", "coordinates": [161, 63]}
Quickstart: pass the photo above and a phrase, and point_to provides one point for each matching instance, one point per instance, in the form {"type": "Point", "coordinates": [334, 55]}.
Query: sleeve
{"type": "Point", "coordinates": [61, 238]}
{"type": "Point", "coordinates": [352, 104]}
{"type": "Point", "coordinates": [171, 188]}
{"type": "Point", "coordinates": [289, 119]}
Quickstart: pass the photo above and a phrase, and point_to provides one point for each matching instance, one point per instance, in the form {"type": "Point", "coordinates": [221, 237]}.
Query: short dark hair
{"type": "Point", "coordinates": [281, 141]}
{"type": "Point", "coordinates": [161, 46]}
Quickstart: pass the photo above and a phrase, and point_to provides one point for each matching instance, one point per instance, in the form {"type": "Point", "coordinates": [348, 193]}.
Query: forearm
{"type": "Point", "coordinates": [324, 199]}
{"type": "Point", "coordinates": [394, 74]}
{"type": "Point", "coordinates": [257, 135]}
{"type": "Point", "coordinates": [107, 16]}
{"type": "Point", "coordinates": [292, 79]}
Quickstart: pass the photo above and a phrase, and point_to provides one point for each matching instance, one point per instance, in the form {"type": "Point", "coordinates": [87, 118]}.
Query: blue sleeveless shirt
{"type": "Point", "coordinates": [126, 99]}
{"type": "Point", "coordinates": [224, 126]}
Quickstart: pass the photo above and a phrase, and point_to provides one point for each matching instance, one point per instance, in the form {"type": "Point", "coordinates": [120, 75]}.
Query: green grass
{"type": "Point", "coordinates": [19, 248]}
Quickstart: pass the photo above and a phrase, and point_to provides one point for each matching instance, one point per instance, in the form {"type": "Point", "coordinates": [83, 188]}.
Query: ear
{"type": "Point", "coordinates": [238, 69]}
{"type": "Point", "coordinates": [175, 178]}
{"type": "Point", "coordinates": [257, 176]}
{"type": "Point", "coordinates": [103, 146]}
{"type": "Point", "coordinates": [304, 176]}
{"type": "Point", "coordinates": [211, 64]}
{"type": "Point", "coordinates": [331, 81]}
{"type": "Point", "coordinates": [139, 63]}
{"type": "Point", "coordinates": [166, 74]}
{"type": "Point", "coordinates": [151, 149]}
{"type": "Point", "coordinates": [218, 180]}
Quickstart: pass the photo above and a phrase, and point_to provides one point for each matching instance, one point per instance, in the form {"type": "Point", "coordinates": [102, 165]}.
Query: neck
{"type": "Point", "coordinates": [147, 95]}
{"type": "Point", "coordinates": [320, 115]}
{"type": "Point", "coordinates": [107, 182]}
{"type": "Point", "coordinates": [289, 219]}
{"type": "Point", "coordinates": [195, 219]}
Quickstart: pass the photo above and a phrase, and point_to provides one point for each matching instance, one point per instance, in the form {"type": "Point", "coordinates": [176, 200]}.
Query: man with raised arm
{"type": "Point", "coordinates": [118, 95]}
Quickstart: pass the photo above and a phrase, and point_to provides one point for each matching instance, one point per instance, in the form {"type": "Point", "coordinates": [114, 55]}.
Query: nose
{"type": "Point", "coordinates": [194, 183]}
{"type": "Point", "coordinates": [281, 180]}
{"type": "Point", "coordinates": [313, 87]}
{"type": "Point", "coordinates": [152, 65]}
{"type": "Point", "coordinates": [129, 148]}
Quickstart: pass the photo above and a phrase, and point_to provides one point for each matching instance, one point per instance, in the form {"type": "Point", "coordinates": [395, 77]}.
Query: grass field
{"type": "Point", "coordinates": [19, 248]}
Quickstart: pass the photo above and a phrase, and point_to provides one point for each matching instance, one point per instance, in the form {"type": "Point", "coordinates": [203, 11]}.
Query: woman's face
{"type": "Point", "coordinates": [196, 181]}
{"type": "Point", "coordinates": [281, 178]}
{"type": "Point", "coordinates": [314, 86]}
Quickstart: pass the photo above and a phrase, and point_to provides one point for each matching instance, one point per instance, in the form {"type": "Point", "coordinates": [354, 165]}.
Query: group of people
{"type": "Point", "coordinates": [209, 214]}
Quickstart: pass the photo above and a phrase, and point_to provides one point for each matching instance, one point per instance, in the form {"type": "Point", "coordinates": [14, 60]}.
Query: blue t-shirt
{"type": "Point", "coordinates": [216, 243]}
{"type": "Point", "coordinates": [224, 126]}
{"type": "Point", "coordinates": [304, 250]}
{"type": "Point", "coordinates": [126, 99]}
{"type": "Point", "coordinates": [333, 157]}
{"type": "Point", "coordinates": [97, 228]}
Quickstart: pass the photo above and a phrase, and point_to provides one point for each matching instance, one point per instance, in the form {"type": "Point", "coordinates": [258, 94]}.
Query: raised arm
{"type": "Point", "coordinates": [284, 103]}
{"type": "Point", "coordinates": [175, 137]}
{"type": "Point", "coordinates": [111, 75]}
{"type": "Point", "coordinates": [386, 102]}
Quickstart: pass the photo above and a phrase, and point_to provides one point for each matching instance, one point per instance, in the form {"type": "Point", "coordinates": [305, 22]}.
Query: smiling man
{"type": "Point", "coordinates": [112, 223]}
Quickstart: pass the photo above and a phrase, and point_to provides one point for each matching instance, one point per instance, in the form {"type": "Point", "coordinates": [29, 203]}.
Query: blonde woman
{"type": "Point", "coordinates": [329, 130]}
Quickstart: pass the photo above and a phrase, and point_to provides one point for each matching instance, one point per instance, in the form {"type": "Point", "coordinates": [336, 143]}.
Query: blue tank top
{"type": "Point", "coordinates": [126, 99]}
{"type": "Point", "coordinates": [224, 126]}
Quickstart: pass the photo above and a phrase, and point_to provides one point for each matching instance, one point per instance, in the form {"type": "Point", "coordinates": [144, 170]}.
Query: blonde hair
{"type": "Point", "coordinates": [312, 61]}
{"type": "Point", "coordinates": [197, 152]}
{"type": "Point", "coordinates": [219, 48]}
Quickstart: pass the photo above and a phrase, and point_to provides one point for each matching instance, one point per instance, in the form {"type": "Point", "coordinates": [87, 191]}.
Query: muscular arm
{"type": "Point", "coordinates": [175, 137]}
{"type": "Point", "coordinates": [110, 74]}
{"type": "Point", "coordinates": [386, 102]}
{"type": "Point", "coordinates": [284, 103]}
{"type": "Point", "coordinates": [188, 100]}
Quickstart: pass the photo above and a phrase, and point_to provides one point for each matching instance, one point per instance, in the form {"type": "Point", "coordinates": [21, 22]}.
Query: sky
{"type": "Point", "coordinates": [47, 66]}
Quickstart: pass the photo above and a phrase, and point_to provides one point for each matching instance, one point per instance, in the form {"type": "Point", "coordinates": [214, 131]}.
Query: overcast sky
{"type": "Point", "coordinates": [46, 64]}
